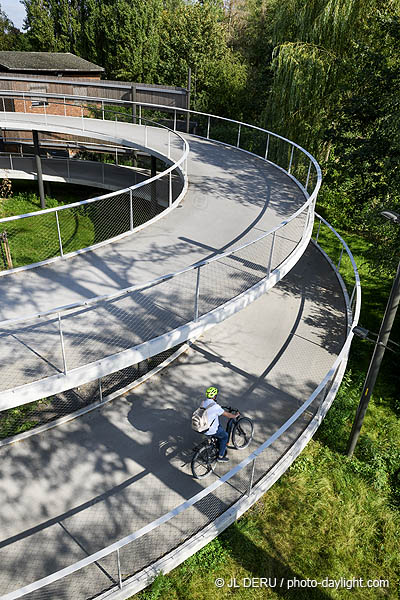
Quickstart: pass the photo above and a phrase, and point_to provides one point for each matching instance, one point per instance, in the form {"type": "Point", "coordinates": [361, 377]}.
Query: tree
{"type": "Point", "coordinates": [120, 35]}
{"type": "Point", "coordinates": [194, 35]}
{"type": "Point", "coordinates": [10, 37]}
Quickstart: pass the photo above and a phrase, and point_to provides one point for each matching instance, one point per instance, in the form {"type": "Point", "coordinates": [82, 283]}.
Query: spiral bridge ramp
{"type": "Point", "coordinates": [225, 274]}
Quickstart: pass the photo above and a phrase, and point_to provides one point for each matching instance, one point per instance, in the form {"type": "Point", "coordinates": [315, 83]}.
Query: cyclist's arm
{"type": "Point", "coordinates": [230, 415]}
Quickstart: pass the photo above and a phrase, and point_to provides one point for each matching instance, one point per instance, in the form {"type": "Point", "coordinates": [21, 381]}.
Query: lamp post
{"type": "Point", "coordinates": [379, 349]}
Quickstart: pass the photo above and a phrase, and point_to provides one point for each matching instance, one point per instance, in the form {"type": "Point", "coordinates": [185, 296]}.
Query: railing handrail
{"type": "Point", "coordinates": [40, 583]}
{"type": "Point", "coordinates": [198, 264]}
{"type": "Point", "coordinates": [155, 281]}
{"type": "Point", "coordinates": [136, 186]}
{"type": "Point", "coordinates": [169, 109]}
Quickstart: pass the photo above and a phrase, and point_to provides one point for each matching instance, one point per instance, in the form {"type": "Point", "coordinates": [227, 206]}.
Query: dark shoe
{"type": "Point", "coordinates": [222, 459]}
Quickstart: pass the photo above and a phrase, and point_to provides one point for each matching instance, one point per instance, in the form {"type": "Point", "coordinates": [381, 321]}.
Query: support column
{"type": "Point", "coordinates": [153, 186]}
{"type": "Point", "coordinates": [188, 99]}
{"type": "Point", "coordinates": [133, 97]}
{"type": "Point", "coordinates": [36, 147]}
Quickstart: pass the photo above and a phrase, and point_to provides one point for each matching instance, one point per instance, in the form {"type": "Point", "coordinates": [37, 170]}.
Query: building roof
{"type": "Point", "coordinates": [46, 61]}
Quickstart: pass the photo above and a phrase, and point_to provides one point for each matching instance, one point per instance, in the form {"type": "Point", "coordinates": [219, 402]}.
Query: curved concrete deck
{"type": "Point", "coordinates": [81, 486]}
{"type": "Point", "coordinates": [232, 198]}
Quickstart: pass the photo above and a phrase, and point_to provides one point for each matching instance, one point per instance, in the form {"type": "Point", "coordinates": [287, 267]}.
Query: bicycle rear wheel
{"type": "Point", "coordinates": [203, 462]}
{"type": "Point", "coordinates": [242, 433]}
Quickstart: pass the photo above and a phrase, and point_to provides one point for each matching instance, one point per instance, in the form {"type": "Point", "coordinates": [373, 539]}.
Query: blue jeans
{"type": "Point", "coordinates": [222, 436]}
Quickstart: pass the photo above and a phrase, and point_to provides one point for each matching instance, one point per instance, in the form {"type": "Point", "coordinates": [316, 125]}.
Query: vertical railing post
{"type": "Point", "coordinates": [140, 114]}
{"type": "Point", "coordinates": [131, 209]}
{"type": "Point", "coordinates": [102, 110]}
{"type": "Point", "coordinates": [169, 144]}
{"type": "Point", "coordinates": [319, 227]}
{"type": "Point", "coordinates": [175, 120]}
{"type": "Point", "coordinates": [291, 160]}
{"type": "Point", "coordinates": [170, 189]}
{"type": "Point", "coordinates": [11, 163]}
{"type": "Point", "coordinates": [59, 235]}
{"type": "Point", "coordinates": [100, 390]}
{"type": "Point", "coordinates": [83, 125]}
{"type": "Point", "coordinates": [267, 148]}
{"type": "Point", "coordinates": [208, 127]}
{"type": "Point", "coordinates": [270, 255]}
{"type": "Point", "coordinates": [119, 570]}
{"type": "Point", "coordinates": [253, 464]}
{"type": "Point", "coordinates": [340, 259]}
{"type": "Point", "coordinates": [308, 175]}
{"type": "Point", "coordinates": [352, 295]}
{"type": "Point", "coordinates": [62, 344]}
{"type": "Point", "coordinates": [196, 299]}
{"type": "Point", "coordinates": [306, 221]}
{"type": "Point", "coordinates": [238, 136]}
{"type": "Point", "coordinates": [116, 155]}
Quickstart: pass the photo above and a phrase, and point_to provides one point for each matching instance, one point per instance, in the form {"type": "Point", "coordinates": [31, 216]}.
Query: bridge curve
{"type": "Point", "coordinates": [319, 304]}
{"type": "Point", "coordinates": [233, 197]}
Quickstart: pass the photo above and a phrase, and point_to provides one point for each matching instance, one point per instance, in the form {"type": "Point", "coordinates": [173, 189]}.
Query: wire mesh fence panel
{"type": "Point", "coordinates": [84, 584]}
{"type": "Point", "coordinates": [227, 277]}
{"type": "Point", "coordinates": [278, 151]}
{"type": "Point", "coordinates": [18, 163]}
{"type": "Point", "coordinates": [327, 241]}
{"type": "Point", "coordinates": [252, 140]}
{"type": "Point", "coordinates": [287, 238]}
{"type": "Point", "coordinates": [40, 412]}
{"type": "Point", "coordinates": [32, 239]}
{"type": "Point", "coordinates": [299, 165]}
{"type": "Point", "coordinates": [223, 131]}
{"type": "Point", "coordinates": [199, 124]}
{"type": "Point", "coordinates": [110, 327]}
{"type": "Point", "coordinates": [30, 351]}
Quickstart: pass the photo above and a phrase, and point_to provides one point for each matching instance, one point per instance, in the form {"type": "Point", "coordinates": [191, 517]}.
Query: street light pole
{"type": "Point", "coordinates": [379, 351]}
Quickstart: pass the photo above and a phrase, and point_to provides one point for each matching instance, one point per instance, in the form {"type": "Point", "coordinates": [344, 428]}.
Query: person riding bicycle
{"type": "Point", "coordinates": [214, 412]}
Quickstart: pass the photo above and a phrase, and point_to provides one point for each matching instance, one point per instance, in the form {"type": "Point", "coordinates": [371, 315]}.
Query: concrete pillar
{"type": "Point", "coordinates": [36, 147]}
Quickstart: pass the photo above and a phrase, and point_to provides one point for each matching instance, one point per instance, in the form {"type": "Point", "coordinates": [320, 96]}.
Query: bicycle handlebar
{"type": "Point", "coordinates": [230, 409]}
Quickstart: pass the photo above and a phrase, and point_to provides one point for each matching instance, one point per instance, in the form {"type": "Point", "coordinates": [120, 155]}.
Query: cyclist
{"type": "Point", "coordinates": [214, 412]}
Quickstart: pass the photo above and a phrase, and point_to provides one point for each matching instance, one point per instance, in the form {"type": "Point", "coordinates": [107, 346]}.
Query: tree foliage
{"type": "Point", "coordinates": [10, 37]}
{"type": "Point", "coordinates": [193, 35]}
{"type": "Point", "coordinates": [324, 73]}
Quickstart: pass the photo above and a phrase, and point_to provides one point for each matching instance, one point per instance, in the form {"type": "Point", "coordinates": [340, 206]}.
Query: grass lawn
{"type": "Point", "coordinates": [34, 239]}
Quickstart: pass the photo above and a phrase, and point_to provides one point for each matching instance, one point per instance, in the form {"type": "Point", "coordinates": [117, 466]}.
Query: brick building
{"type": "Point", "coordinates": [45, 66]}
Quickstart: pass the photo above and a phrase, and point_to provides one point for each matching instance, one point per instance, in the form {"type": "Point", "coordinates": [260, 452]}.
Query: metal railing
{"type": "Point", "coordinates": [194, 522]}
{"type": "Point", "coordinates": [131, 207]}
{"type": "Point", "coordinates": [70, 345]}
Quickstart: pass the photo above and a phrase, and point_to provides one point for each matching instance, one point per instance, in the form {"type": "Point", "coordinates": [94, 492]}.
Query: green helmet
{"type": "Point", "coordinates": [211, 392]}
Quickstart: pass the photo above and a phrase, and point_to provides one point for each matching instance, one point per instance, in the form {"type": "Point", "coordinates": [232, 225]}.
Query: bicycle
{"type": "Point", "coordinates": [240, 432]}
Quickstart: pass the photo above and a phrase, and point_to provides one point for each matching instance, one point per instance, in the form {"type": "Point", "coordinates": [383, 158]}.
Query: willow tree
{"type": "Point", "coordinates": [315, 54]}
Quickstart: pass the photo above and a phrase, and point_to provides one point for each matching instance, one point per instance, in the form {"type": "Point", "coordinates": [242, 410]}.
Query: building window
{"type": "Point", "coordinates": [37, 100]}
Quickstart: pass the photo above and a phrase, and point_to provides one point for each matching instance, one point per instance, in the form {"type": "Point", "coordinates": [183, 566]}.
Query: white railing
{"type": "Point", "coordinates": [252, 477]}
{"type": "Point", "coordinates": [67, 352]}
{"type": "Point", "coordinates": [54, 240]}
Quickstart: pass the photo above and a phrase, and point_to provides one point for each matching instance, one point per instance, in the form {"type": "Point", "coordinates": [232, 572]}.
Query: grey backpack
{"type": "Point", "coordinates": [200, 419]}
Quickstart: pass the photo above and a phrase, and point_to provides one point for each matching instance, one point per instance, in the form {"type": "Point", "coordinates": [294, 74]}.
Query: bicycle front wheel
{"type": "Point", "coordinates": [203, 462]}
{"type": "Point", "coordinates": [242, 433]}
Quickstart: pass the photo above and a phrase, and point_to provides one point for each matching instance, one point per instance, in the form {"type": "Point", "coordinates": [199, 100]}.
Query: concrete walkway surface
{"type": "Point", "coordinates": [77, 488]}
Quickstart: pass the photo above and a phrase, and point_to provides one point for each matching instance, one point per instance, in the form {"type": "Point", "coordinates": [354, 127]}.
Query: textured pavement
{"type": "Point", "coordinates": [79, 487]}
